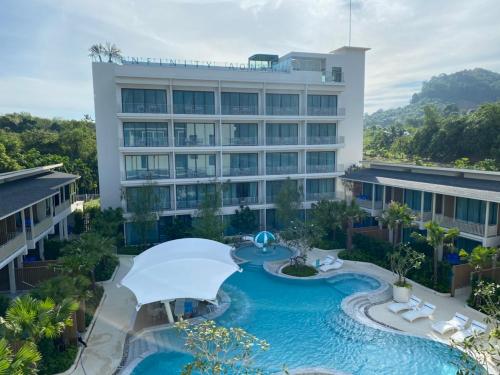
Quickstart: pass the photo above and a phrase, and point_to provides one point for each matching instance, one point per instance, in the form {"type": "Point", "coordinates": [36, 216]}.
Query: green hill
{"type": "Point", "coordinates": [449, 93]}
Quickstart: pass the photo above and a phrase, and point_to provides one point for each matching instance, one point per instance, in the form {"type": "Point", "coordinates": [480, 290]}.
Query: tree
{"type": "Point", "coordinates": [96, 51]}
{"type": "Point", "coordinates": [220, 350]}
{"type": "Point", "coordinates": [208, 222]}
{"type": "Point", "coordinates": [112, 52]}
{"type": "Point", "coordinates": [437, 238]}
{"type": "Point", "coordinates": [479, 258]}
{"type": "Point", "coordinates": [143, 203]}
{"type": "Point", "coordinates": [302, 236]}
{"type": "Point", "coordinates": [18, 362]}
{"type": "Point", "coordinates": [244, 220]}
{"type": "Point", "coordinates": [402, 260]}
{"type": "Point", "coordinates": [179, 229]}
{"type": "Point", "coordinates": [325, 214]}
{"type": "Point", "coordinates": [288, 202]}
{"type": "Point", "coordinates": [396, 216]}
{"type": "Point", "coordinates": [349, 214]}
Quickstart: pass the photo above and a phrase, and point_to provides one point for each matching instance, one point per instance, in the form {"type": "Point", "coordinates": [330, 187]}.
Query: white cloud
{"type": "Point", "coordinates": [45, 42]}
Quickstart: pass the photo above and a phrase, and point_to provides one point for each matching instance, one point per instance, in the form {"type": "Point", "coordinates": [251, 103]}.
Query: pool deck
{"type": "Point", "coordinates": [116, 314]}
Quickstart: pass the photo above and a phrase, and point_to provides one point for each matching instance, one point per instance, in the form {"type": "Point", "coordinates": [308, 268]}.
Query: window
{"type": "Point", "coordinates": [140, 167]}
{"type": "Point", "coordinates": [472, 210]}
{"type": "Point", "coordinates": [240, 193]}
{"type": "Point", "coordinates": [282, 104]}
{"type": "Point", "coordinates": [274, 187]}
{"type": "Point", "coordinates": [320, 134]}
{"type": "Point", "coordinates": [239, 134]}
{"type": "Point", "coordinates": [321, 162]}
{"type": "Point", "coordinates": [282, 134]}
{"type": "Point", "coordinates": [191, 196]}
{"type": "Point", "coordinates": [194, 134]}
{"type": "Point", "coordinates": [145, 134]}
{"type": "Point", "coordinates": [281, 163]}
{"type": "Point", "coordinates": [196, 102]}
{"type": "Point", "coordinates": [194, 165]}
{"type": "Point", "coordinates": [161, 197]}
{"type": "Point", "coordinates": [322, 105]}
{"type": "Point", "coordinates": [239, 103]}
{"type": "Point", "coordinates": [318, 189]}
{"type": "Point", "coordinates": [240, 164]}
{"type": "Point", "coordinates": [144, 101]}
{"type": "Point", "coordinates": [337, 75]}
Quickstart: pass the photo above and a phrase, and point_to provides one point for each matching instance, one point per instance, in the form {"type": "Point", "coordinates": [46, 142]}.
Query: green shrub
{"type": "Point", "coordinates": [53, 248]}
{"type": "Point", "coordinates": [4, 304]}
{"type": "Point", "coordinates": [92, 303]}
{"type": "Point", "coordinates": [299, 271]}
{"type": "Point", "coordinates": [55, 358]}
{"type": "Point", "coordinates": [79, 219]}
{"type": "Point", "coordinates": [477, 303]}
{"type": "Point", "coordinates": [131, 250]}
{"type": "Point", "coordinates": [106, 266]}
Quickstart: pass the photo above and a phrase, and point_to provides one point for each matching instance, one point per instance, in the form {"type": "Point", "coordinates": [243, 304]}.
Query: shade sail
{"type": "Point", "coordinates": [185, 268]}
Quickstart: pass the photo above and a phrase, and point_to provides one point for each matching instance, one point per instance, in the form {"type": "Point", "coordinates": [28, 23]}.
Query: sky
{"type": "Point", "coordinates": [45, 68]}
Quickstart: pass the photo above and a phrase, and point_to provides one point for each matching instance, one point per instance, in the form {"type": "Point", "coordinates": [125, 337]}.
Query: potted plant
{"type": "Point", "coordinates": [402, 260]}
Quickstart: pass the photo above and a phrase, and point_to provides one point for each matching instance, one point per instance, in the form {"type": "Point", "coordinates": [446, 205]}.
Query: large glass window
{"type": "Point", "coordinates": [194, 165]}
{"type": "Point", "coordinates": [140, 167]}
{"type": "Point", "coordinates": [196, 102]}
{"type": "Point", "coordinates": [321, 162]}
{"type": "Point", "coordinates": [194, 134]}
{"type": "Point", "coordinates": [317, 189]}
{"type": "Point", "coordinates": [321, 134]}
{"type": "Point", "coordinates": [281, 163]}
{"type": "Point", "coordinates": [239, 103]}
{"type": "Point", "coordinates": [274, 187]}
{"type": "Point", "coordinates": [145, 134]}
{"type": "Point", "coordinates": [413, 199]}
{"type": "Point", "coordinates": [239, 134]}
{"type": "Point", "coordinates": [159, 195]}
{"type": "Point", "coordinates": [472, 210]}
{"type": "Point", "coordinates": [282, 104]}
{"type": "Point", "coordinates": [240, 164]}
{"type": "Point", "coordinates": [240, 193]}
{"type": "Point", "coordinates": [282, 134]}
{"type": "Point", "coordinates": [322, 105]}
{"type": "Point", "coordinates": [144, 101]}
{"type": "Point", "coordinates": [191, 196]}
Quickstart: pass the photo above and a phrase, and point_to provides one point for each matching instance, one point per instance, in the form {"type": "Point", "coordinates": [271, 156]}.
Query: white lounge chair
{"type": "Point", "coordinates": [335, 265]}
{"type": "Point", "coordinates": [425, 311]}
{"type": "Point", "coordinates": [456, 323]}
{"type": "Point", "coordinates": [476, 328]}
{"type": "Point", "coordinates": [397, 307]}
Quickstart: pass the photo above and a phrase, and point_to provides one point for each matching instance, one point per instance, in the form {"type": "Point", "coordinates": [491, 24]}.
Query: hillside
{"type": "Point", "coordinates": [449, 93]}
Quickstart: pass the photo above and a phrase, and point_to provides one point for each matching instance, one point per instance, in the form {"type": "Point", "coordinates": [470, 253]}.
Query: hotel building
{"type": "Point", "coordinates": [188, 124]}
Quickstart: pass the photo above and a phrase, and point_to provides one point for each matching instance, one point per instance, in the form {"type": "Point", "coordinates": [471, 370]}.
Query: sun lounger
{"type": "Point", "coordinates": [458, 322]}
{"type": "Point", "coordinates": [338, 263]}
{"type": "Point", "coordinates": [397, 307]}
{"type": "Point", "coordinates": [422, 312]}
{"type": "Point", "coordinates": [476, 328]}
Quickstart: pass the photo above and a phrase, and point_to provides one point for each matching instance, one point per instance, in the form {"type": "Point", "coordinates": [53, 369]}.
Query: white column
{"type": "Point", "coordinates": [20, 261]}
{"type": "Point", "coordinates": [383, 198]}
{"type": "Point", "coordinates": [41, 248]}
{"type": "Point", "coordinates": [421, 209]}
{"type": "Point", "coordinates": [433, 206]}
{"type": "Point", "coordinates": [168, 310]}
{"type": "Point", "coordinates": [373, 198]}
{"type": "Point", "coordinates": [12, 277]}
{"type": "Point", "coordinates": [61, 230]}
{"type": "Point", "coordinates": [66, 235]}
{"type": "Point", "coordinates": [486, 220]}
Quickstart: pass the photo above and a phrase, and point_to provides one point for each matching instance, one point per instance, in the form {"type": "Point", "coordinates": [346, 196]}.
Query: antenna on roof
{"type": "Point", "coordinates": [350, 13]}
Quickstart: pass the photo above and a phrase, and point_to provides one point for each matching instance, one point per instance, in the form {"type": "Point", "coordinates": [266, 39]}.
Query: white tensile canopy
{"type": "Point", "coordinates": [185, 268]}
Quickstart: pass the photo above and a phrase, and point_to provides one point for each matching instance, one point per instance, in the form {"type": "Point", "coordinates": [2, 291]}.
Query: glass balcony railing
{"type": "Point", "coordinates": [240, 141]}
{"type": "Point", "coordinates": [194, 173]}
{"type": "Point", "coordinates": [144, 108]}
{"type": "Point", "coordinates": [145, 142]}
{"type": "Point", "coordinates": [325, 140]}
{"type": "Point", "coordinates": [194, 109]}
{"type": "Point", "coordinates": [321, 168]}
{"type": "Point", "coordinates": [195, 141]}
{"type": "Point", "coordinates": [275, 141]}
{"type": "Point", "coordinates": [325, 111]}
{"type": "Point", "coordinates": [366, 202]}
{"type": "Point", "coordinates": [188, 203]}
{"type": "Point", "coordinates": [240, 171]}
{"type": "Point", "coordinates": [320, 196]}
{"type": "Point", "coordinates": [239, 201]}
{"type": "Point", "coordinates": [282, 111]}
{"type": "Point", "coordinates": [239, 110]}
{"type": "Point", "coordinates": [282, 170]}
{"type": "Point", "coordinates": [154, 174]}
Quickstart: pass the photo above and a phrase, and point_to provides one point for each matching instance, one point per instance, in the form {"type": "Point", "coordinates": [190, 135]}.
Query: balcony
{"type": "Point", "coordinates": [329, 195]}
{"type": "Point", "coordinates": [33, 231]}
{"type": "Point", "coordinates": [282, 141]}
{"type": "Point", "coordinates": [282, 170]}
{"type": "Point", "coordinates": [152, 174]}
{"type": "Point", "coordinates": [194, 173]}
{"type": "Point", "coordinates": [249, 171]}
{"type": "Point", "coordinates": [194, 109]}
{"type": "Point", "coordinates": [239, 110]}
{"type": "Point", "coordinates": [194, 141]}
{"type": "Point", "coordinates": [327, 111]}
{"type": "Point", "coordinates": [282, 111]}
{"type": "Point", "coordinates": [148, 141]}
{"type": "Point", "coordinates": [467, 226]}
{"type": "Point", "coordinates": [10, 242]}
{"type": "Point", "coordinates": [321, 168]}
{"type": "Point", "coordinates": [325, 140]}
{"type": "Point", "coordinates": [366, 202]}
{"type": "Point", "coordinates": [144, 108]}
{"type": "Point", "coordinates": [241, 141]}
{"type": "Point", "coordinates": [239, 201]}
{"type": "Point", "coordinates": [188, 204]}
{"type": "Point", "coordinates": [427, 215]}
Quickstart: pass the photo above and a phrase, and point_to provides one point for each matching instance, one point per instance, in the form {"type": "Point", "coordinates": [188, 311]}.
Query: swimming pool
{"type": "Point", "coordinates": [258, 256]}
{"type": "Point", "coordinates": [303, 322]}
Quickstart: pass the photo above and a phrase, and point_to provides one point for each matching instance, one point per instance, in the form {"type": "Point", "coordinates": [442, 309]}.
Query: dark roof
{"type": "Point", "coordinates": [475, 188]}
{"type": "Point", "coordinates": [21, 193]}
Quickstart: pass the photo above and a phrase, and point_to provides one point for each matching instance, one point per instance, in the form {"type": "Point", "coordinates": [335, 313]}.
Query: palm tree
{"type": "Point", "coordinates": [96, 51]}
{"type": "Point", "coordinates": [350, 214]}
{"type": "Point", "coordinates": [18, 362]}
{"type": "Point", "coordinates": [112, 52]}
{"type": "Point", "coordinates": [480, 258]}
{"type": "Point", "coordinates": [396, 215]}
{"type": "Point", "coordinates": [325, 215]}
{"type": "Point", "coordinates": [437, 238]}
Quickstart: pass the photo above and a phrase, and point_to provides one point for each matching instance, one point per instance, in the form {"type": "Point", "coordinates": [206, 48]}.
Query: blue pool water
{"type": "Point", "coordinates": [258, 256]}
{"type": "Point", "coordinates": [303, 322]}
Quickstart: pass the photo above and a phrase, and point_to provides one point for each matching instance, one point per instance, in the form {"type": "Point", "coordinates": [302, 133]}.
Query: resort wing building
{"type": "Point", "coordinates": [188, 124]}
{"type": "Point", "coordinates": [455, 198]}
{"type": "Point", "coordinates": [34, 203]}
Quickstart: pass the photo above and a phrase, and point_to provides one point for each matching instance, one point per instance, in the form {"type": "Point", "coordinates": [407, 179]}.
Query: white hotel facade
{"type": "Point", "coordinates": [186, 125]}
